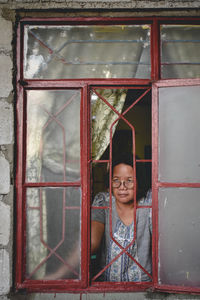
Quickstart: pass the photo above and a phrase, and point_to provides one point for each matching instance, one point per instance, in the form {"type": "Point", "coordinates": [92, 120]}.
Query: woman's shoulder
{"type": "Point", "coordinates": [101, 199]}
{"type": "Point", "coordinates": [147, 200]}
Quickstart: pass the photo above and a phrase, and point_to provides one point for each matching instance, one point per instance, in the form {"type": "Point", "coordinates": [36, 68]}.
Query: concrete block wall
{"type": "Point", "coordinates": [6, 142]}
{"type": "Point", "coordinates": [7, 21]}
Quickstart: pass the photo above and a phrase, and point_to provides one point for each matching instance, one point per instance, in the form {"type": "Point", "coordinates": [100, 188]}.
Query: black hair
{"type": "Point", "coordinates": [125, 158]}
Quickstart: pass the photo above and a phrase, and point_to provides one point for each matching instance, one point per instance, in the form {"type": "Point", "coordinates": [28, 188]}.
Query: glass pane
{"type": "Point", "coordinates": [179, 236]}
{"type": "Point", "coordinates": [180, 51]}
{"type": "Point", "coordinates": [53, 232]}
{"type": "Point", "coordinates": [53, 136]}
{"type": "Point", "coordinates": [179, 127]}
{"type": "Point", "coordinates": [87, 51]}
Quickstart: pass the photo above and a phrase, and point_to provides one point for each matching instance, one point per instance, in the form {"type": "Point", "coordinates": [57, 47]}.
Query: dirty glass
{"type": "Point", "coordinates": [179, 127]}
{"type": "Point", "coordinates": [53, 136]}
{"type": "Point", "coordinates": [179, 236]}
{"type": "Point", "coordinates": [110, 51]}
{"type": "Point", "coordinates": [53, 233]}
{"type": "Point", "coordinates": [180, 51]}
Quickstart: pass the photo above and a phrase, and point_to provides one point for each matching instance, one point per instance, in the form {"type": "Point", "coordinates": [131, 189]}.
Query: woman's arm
{"type": "Point", "coordinates": [97, 231]}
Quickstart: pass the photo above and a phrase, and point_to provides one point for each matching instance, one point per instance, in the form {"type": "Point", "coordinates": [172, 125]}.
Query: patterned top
{"type": "Point", "coordinates": [124, 268]}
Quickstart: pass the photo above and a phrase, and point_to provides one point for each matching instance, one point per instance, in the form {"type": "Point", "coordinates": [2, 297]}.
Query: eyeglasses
{"type": "Point", "coordinates": [116, 183]}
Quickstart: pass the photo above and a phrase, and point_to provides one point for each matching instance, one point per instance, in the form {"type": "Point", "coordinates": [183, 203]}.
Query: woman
{"type": "Point", "coordinates": [125, 268]}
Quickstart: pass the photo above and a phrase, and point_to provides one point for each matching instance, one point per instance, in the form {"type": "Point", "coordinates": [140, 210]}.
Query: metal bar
{"type": "Point", "coordinates": [85, 184]}
{"type": "Point", "coordinates": [154, 183]}
{"type": "Point", "coordinates": [155, 50]}
{"type": "Point", "coordinates": [109, 20]}
{"type": "Point", "coordinates": [74, 286]}
{"type": "Point", "coordinates": [180, 41]}
{"type": "Point", "coordinates": [66, 207]}
{"type": "Point", "coordinates": [144, 206]}
{"type": "Point", "coordinates": [45, 45]}
{"type": "Point", "coordinates": [100, 161]}
{"type": "Point", "coordinates": [177, 82]}
{"type": "Point", "coordinates": [103, 63]}
{"type": "Point", "coordinates": [52, 251]}
{"type": "Point", "coordinates": [20, 218]}
{"type": "Point", "coordinates": [53, 184]}
{"type": "Point", "coordinates": [178, 184]}
{"type": "Point", "coordinates": [143, 160]}
{"type": "Point", "coordinates": [102, 207]}
{"type": "Point", "coordinates": [179, 63]}
{"type": "Point", "coordinates": [124, 250]}
{"type": "Point", "coordinates": [72, 207]}
{"type": "Point", "coordinates": [135, 102]}
{"type": "Point", "coordinates": [53, 118]}
{"type": "Point", "coordinates": [80, 83]}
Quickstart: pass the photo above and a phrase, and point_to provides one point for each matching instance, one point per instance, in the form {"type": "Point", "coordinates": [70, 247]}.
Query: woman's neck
{"type": "Point", "coordinates": [125, 212]}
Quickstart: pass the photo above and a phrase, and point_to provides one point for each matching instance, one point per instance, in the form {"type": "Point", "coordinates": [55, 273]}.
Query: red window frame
{"type": "Point", "coordinates": [85, 84]}
{"type": "Point", "coordinates": [159, 183]}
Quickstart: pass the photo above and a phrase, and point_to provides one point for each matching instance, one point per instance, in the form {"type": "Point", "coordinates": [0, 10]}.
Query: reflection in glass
{"type": "Point", "coordinates": [53, 231]}
{"type": "Point", "coordinates": [53, 135]}
{"type": "Point", "coordinates": [180, 51]}
{"type": "Point", "coordinates": [87, 51]}
{"type": "Point", "coordinates": [179, 236]}
{"type": "Point", "coordinates": [179, 127]}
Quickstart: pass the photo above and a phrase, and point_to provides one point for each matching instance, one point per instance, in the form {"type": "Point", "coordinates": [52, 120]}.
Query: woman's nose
{"type": "Point", "coordinates": [122, 185]}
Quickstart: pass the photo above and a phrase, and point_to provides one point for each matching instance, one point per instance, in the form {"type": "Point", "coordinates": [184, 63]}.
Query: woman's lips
{"type": "Point", "coordinates": [122, 195]}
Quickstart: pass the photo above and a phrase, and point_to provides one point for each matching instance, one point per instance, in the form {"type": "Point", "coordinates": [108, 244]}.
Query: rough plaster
{"type": "Point", "coordinates": [4, 176]}
{"type": "Point", "coordinates": [4, 272]}
{"type": "Point", "coordinates": [5, 74]}
{"type": "Point", "coordinates": [5, 35]}
{"type": "Point", "coordinates": [6, 120]}
{"type": "Point", "coordinates": [100, 4]}
{"type": "Point", "coordinates": [4, 224]}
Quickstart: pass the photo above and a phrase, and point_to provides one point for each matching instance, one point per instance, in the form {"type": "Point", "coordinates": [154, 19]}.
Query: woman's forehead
{"type": "Point", "coordinates": [123, 170]}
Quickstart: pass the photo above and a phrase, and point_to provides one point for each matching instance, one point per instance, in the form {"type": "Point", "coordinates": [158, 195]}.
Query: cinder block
{"type": "Point", "coordinates": [4, 176]}
{"type": "Point", "coordinates": [4, 272]}
{"type": "Point", "coordinates": [6, 123]}
{"type": "Point", "coordinates": [5, 75]}
{"type": "Point", "coordinates": [4, 223]}
{"type": "Point", "coordinates": [5, 32]}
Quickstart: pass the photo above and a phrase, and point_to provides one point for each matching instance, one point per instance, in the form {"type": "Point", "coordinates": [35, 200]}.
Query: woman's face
{"type": "Point", "coordinates": [123, 178]}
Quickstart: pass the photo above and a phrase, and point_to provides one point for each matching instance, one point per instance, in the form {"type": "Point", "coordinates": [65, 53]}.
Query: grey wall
{"type": "Point", "coordinates": [8, 12]}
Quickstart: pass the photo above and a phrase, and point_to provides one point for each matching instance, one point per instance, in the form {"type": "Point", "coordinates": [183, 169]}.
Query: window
{"type": "Point", "coordinates": [86, 90]}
